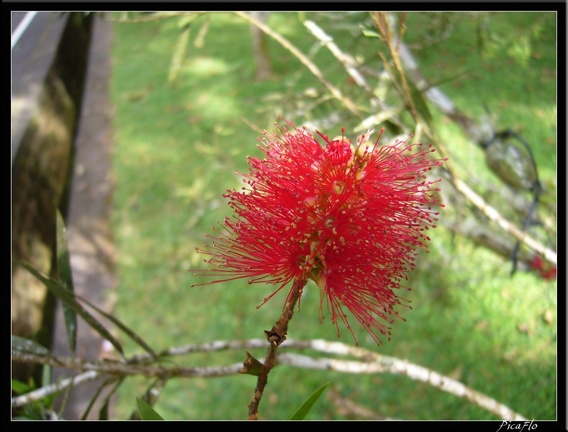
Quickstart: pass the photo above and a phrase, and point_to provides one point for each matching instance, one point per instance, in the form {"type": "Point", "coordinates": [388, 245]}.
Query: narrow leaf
{"type": "Point", "coordinates": [146, 411]}
{"type": "Point", "coordinates": [46, 375]}
{"type": "Point", "coordinates": [124, 328]}
{"type": "Point", "coordinates": [65, 278]}
{"type": "Point", "coordinates": [99, 390]}
{"type": "Point", "coordinates": [24, 345]}
{"type": "Point", "coordinates": [420, 103]}
{"type": "Point", "coordinates": [69, 298]}
{"type": "Point", "coordinates": [179, 54]}
{"type": "Point", "coordinates": [369, 33]}
{"type": "Point", "coordinates": [305, 408]}
{"type": "Point", "coordinates": [150, 396]}
{"type": "Point", "coordinates": [64, 400]}
{"type": "Point", "coordinates": [20, 387]}
{"type": "Point", "coordinates": [103, 413]}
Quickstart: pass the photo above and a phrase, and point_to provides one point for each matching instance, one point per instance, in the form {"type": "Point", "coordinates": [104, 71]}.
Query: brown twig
{"type": "Point", "coordinates": [381, 21]}
{"type": "Point", "coordinates": [275, 337]}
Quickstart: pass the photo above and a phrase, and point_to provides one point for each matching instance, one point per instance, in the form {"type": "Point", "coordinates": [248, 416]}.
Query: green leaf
{"type": "Point", "coordinates": [146, 411]}
{"type": "Point", "coordinates": [103, 413]}
{"type": "Point", "coordinates": [69, 298]}
{"type": "Point", "coordinates": [46, 375]}
{"type": "Point", "coordinates": [305, 408]}
{"type": "Point", "coordinates": [150, 396]}
{"type": "Point", "coordinates": [24, 345]}
{"type": "Point", "coordinates": [369, 33]}
{"type": "Point", "coordinates": [420, 102]}
{"type": "Point", "coordinates": [94, 399]}
{"type": "Point", "coordinates": [109, 396]}
{"type": "Point", "coordinates": [65, 278]}
{"type": "Point", "coordinates": [20, 388]}
{"type": "Point", "coordinates": [124, 328]}
{"type": "Point", "coordinates": [179, 54]}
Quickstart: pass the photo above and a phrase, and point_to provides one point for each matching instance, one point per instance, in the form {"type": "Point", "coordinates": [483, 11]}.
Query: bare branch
{"type": "Point", "coordinates": [382, 22]}
{"type": "Point", "coordinates": [53, 388]}
{"type": "Point", "coordinates": [401, 367]}
{"type": "Point", "coordinates": [206, 347]}
{"type": "Point", "coordinates": [348, 61]}
{"type": "Point", "coordinates": [350, 65]}
{"type": "Point", "coordinates": [371, 363]}
{"type": "Point", "coordinates": [275, 337]}
{"type": "Point", "coordinates": [474, 131]}
{"type": "Point", "coordinates": [507, 226]}
{"type": "Point", "coordinates": [156, 16]}
{"type": "Point", "coordinates": [126, 369]}
{"type": "Point", "coordinates": [377, 363]}
{"type": "Point", "coordinates": [349, 104]}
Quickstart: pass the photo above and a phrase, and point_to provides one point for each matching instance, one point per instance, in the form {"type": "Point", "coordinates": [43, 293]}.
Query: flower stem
{"type": "Point", "coordinates": [276, 336]}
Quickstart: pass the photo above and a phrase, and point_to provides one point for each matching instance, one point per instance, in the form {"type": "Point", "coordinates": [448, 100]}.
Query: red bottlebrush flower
{"type": "Point", "coordinates": [547, 271]}
{"type": "Point", "coordinates": [348, 216]}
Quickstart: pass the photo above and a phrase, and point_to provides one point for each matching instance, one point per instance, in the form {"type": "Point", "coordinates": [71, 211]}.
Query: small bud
{"type": "Point", "coordinates": [252, 366]}
{"type": "Point", "coordinates": [275, 336]}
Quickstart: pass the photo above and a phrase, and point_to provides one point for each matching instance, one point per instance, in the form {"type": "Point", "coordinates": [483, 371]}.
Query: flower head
{"type": "Point", "coordinates": [546, 270]}
{"type": "Point", "coordinates": [349, 216]}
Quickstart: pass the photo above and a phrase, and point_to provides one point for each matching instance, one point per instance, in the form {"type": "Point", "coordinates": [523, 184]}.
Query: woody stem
{"type": "Point", "coordinates": [275, 337]}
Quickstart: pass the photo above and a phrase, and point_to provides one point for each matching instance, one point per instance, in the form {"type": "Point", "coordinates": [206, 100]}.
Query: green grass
{"type": "Point", "coordinates": [176, 150]}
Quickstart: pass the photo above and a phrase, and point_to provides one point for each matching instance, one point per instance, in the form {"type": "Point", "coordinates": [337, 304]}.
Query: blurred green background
{"type": "Point", "coordinates": [183, 126]}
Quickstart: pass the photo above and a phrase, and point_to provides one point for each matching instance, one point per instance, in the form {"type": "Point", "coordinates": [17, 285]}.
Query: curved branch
{"type": "Point", "coordinates": [401, 367]}
{"type": "Point", "coordinates": [349, 104]}
{"type": "Point", "coordinates": [371, 363]}
{"type": "Point", "coordinates": [349, 63]}
{"type": "Point", "coordinates": [507, 226]}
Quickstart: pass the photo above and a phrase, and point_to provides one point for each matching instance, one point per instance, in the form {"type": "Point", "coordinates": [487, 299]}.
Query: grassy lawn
{"type": "Point", "coordinates": [177, 146]}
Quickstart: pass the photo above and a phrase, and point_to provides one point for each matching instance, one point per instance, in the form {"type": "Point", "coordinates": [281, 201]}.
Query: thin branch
{"type": "Point", "coordinates": [378, 363]}
{"type": "Point", "coordinates": [349, 104]}
{"type": "Point", "coordinates": [401, 367]}
{"type": "Point", "coordinates": [206, 347]}
{"type": "Point", "coordinates": [433, 94]}
{"type": "Point", "coordinates": [276, 337]}
{"type": "Point", "coordinates": [474, 132]}
{"type": "Point", "coordinates": [371, 362]}
{"type": "Point", "coordinates": [382, 22]}
{"type": "Point", "coordinates": [125, 369]}
{"type": "Point", "coordinates": [350, 65]}
{"type": "Point", "coordinates": [348, 61]}
{"type": "Point", "coordinates": [507, 226]}
{"type": "Point", "coordinates": [149, 17]}
{"type": "Point", "coordinates": [42, 392]}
